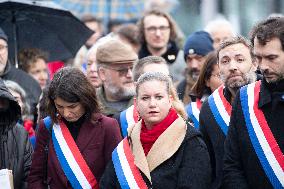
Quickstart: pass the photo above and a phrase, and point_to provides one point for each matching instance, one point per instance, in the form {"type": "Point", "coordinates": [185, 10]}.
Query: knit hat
{"type": "Point", "coordinates": [115, 52]}
{"type": "Point", "coordinates": [3, 35]}
{"type": "Point", "coordinates": [199, 43]}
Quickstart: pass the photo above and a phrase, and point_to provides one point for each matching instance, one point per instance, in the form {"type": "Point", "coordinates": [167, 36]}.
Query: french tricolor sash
{"type": "Point", "coordinates": [126, 171]}
{"type": "Point", "coordinates": [71, 160]}
{"type": "Point", "coordinates": [269, 154]}
{"type": "Point", "coordinates": [128, 117]}
{"type": "Point", "coordinates": [220, 108]}
{"type": "Point", "coordinates": [193, 111]}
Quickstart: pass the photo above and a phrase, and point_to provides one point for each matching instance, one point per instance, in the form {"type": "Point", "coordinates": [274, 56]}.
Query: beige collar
{"type": "Point", "coordinates": [164, 147]}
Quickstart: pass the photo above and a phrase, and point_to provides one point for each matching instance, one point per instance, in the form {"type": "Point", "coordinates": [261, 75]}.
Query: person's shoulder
{"type": "Point", "coordinates": [105, 121]}
{"type": "Point", "coordinates": [192, 134]}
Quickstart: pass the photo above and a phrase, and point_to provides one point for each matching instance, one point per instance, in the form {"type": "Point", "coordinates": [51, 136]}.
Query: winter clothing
{"type": "Point", "coordinates": [115, 52]}
{"type": "Point", "coordinates": [199, 43]}
{"type": "Point", "coordinates": [111, 108]}
{"type": "Point", "coordinates": [214, 138]}
{"type": "Point", "coordinates": [179, 163]}
{"type": "Point", "coordinates": [15, 148]}
{"type": "Point", "coordinates": [184, 89]}
{"type": "Point", "coordinates": [242, 168]}
{"type": "Point", "coordinates": [174, 58]}
{"type": "Point", "coordinates": [96, 139]}
{"type": "Point", "coordinates": [29, 84]}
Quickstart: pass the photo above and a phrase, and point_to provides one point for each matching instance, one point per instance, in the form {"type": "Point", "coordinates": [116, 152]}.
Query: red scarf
{"type": "Point", "coordinates": [148, 137]}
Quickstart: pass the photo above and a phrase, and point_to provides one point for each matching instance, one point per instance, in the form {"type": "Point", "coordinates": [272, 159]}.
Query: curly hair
{"type": "Point", "coordinates": [28, 57]}
{"type": "Point", "coordinates": [267, 29]}
{"type": "Point", "coordinates": [172, 24]}
{"type": "Point", "coordinates": [71, 85]}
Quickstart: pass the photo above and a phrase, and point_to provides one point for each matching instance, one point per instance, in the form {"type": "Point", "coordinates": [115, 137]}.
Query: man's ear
{"type": "Point", "coordinates": [102, 73]}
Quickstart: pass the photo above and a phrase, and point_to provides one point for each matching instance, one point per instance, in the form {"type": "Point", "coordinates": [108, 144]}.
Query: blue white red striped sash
{"type": "Point", "coordinates": [128, 117]}
{"type": "Point", "coordinates": [269, 154]}
{"type": "Point", "coordinates": [128, 174]}
{"type": "Point", "coordinates": [193, 111]}
{"type": "Point", "coordinates": [220, 108]}
{"type": "Point", "coordinates": [70, 158]}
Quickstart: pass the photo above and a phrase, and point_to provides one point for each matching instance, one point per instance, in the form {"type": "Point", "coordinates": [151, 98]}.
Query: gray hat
{"type": "Point", "coordinates": [115, 52]}
{"type": "Point", "coordinates": [3, 35]}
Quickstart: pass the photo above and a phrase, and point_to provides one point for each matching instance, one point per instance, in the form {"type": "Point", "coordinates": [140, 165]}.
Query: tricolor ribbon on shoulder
{"type": "Point", "coordinates": [126, 171]}
{"type": "Point", "coordinates": [193, 111]}
{"type": "Point", "coordinates": [128, 117]}
{"type": "Point", "coordinates": [220, 108]}
{"type": "Point", "coordinates": [70, 158]}
{"type": "Point", "coordinates": [265, 145]}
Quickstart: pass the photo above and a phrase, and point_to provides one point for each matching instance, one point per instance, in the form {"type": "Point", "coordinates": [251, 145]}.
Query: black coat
{"type": "Point", "coordinates": [15, 148]}
{"type": "Point", "coordinates": [29, 84]}
{"type": "Point", "coordinates": [188, 167]}
{"type": "Point", "coordinates": [214, 138]}
{"type": "Point", "coordinates": [242, 168]}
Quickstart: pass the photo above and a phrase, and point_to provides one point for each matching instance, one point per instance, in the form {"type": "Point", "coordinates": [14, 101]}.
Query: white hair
{"type": "Point", "coordinates": [218, 23]}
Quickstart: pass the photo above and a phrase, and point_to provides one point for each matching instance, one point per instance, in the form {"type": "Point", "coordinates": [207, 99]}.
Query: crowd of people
{"type": "Point", "coordinates": [138, 109]}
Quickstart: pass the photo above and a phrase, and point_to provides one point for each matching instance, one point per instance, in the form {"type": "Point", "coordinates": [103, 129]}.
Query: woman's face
{"type": "Point", "coordinates": [153, 102]}
{"type": "Point", "coordinates": [38, 71]}
{"type": "Point", "coordinates": [71, 111]}
{"type": "Point", "coordinates": [214, 81]}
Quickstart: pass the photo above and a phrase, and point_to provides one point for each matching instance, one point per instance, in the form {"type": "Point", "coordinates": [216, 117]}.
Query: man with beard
{"type": "Point", "coordinates": [255, 144]}
{"type": "Point", "coordinates": [196, 48]}
{"type": "Point", "coordinates": [237, 68]}
{"type": "Point", "coordinates": [15, 148]}
{"type": "Point", "coordinates": [115, 62]}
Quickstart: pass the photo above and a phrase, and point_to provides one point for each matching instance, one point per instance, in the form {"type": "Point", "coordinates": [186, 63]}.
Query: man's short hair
{"type": "Point", "coordinates": [141, 63]}
{"type": "Point", "coordinates": [267, 29]}
{"type": "Point", "coordinates": [235, 40]}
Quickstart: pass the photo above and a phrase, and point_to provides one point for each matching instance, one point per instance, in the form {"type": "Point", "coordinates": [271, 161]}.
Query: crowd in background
{"type": "Point", "coordinates": [195, 114]}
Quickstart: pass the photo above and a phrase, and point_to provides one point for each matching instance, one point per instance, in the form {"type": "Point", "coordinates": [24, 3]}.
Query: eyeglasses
{"type": "Point", "coordinates": [153, 29]}
{"type": "Point", "coordinates": [3, 48]}
{"type": "Point", "coordinates": [121, 71]}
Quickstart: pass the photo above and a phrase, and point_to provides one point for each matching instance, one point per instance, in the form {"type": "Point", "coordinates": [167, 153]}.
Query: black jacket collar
{"type": "Point", "coordinates": [170, 55]}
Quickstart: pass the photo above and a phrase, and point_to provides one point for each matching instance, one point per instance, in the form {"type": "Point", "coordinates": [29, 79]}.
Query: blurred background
{"type": "Point", "coordinates": [191, 15]}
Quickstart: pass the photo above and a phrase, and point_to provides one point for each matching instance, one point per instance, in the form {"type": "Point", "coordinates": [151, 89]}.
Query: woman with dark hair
{"type": "Point", "coordinates": [161, 150]}
{"type": "Point", "coordinates": [208, 80]}
{"type": "Point", "coordinates": [75, 143]}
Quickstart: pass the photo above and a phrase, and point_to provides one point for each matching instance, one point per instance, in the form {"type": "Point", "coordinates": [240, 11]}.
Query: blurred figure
{"type": "Point", "coordinates": [165, 151]}
{"type": "Point", "coordinates": [9, 72]}
{"type": "Point", "coordinates": [75, 129]}
{"type": "Point", "coordinates": [15, 147]}
{"type": "Point", "coordinates": [96, 25]}
{"type": "Point", "coordinates": [26, 119]}
{"type": "Point", "coordinates": [255, 143]}
{"type": "Point", "coordinates": [157, 35]}
{"type": "Point", "coordinates": [92, 67]}
{"type": "Point", "coordinates": [128, 33]}
{"type": "Point", "coordinates": [208, 81]}
{"type": "Point", "coordinates": [130, 116]}
{"type": "Point", "coordinates": [115, 62]}
{"type": "Point", "coordinates": [237, 68]}
{"type": "Point", "coordinates": [197, 46]}
{"type": "Point", "coordinates": [219, 30]}
{"type": "Point", "coordinates": [33, 61]}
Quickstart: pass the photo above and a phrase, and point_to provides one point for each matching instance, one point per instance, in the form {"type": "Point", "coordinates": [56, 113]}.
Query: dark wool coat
{"type": "Point", "coordinates": [95, 141]}
{"type": "Point", "coordinates": [214, 139]}
{"type": "Point", "coordinates": [242, 168]}
{"type": "Point", "coordinates": [15, 147]}
{"type": "Point", "coordinates": [178, 159]}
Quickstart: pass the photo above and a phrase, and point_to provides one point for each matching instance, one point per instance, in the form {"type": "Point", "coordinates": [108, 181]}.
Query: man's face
{"type": "Point", "coordinates": [92, 70]}
{"type": "Point", "coordinates": [98, 32]}
{"type": "Point", "coordinates": [156, 31]}
{"type": "Point", "coordinates": [118, 80]}
{"type": "Point", "coordinates": [194, 64]}
{"type": "Point", "coordinates": [3, 55]}
{"type": "Point", "coordinates": [270, 59]}
{"type": "Point", "coordinates": [236, 66]}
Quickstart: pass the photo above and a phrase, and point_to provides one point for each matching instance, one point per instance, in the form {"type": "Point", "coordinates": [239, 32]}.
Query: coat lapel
{"type": "Point", "coordinates": [137, 150]}
{"type": "Point", "coordinates": [167, 144]}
